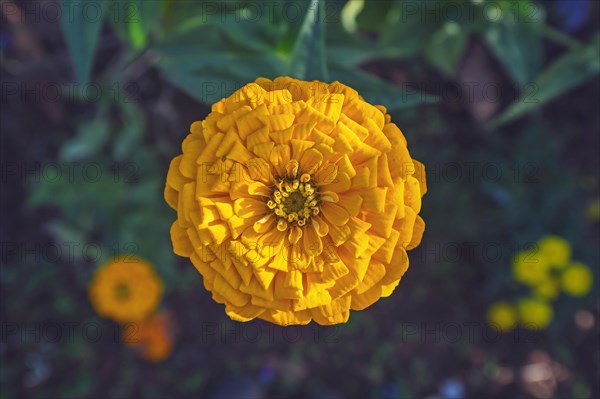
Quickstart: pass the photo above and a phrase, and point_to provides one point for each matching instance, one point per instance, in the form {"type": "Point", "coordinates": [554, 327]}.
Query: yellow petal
{"type": "Point", "coordinates": [295, 235]}
{"type": "Point", "coordinates": [181, 243]}
{"type": "Point", "coordinates": [418, 230]}
{"type": "Point", "coordinates": [255, 289]}
{"type": "Point", "coordinates": [343, 285]}
{"type": "Point", "coordinates": [330, 105]}
{"type": "Point", "coordinates": [384, 177]}
{"type": "Point", "coordinates": [230, 275]}
{"type": "Point", "coordinates": [311, 241]}
{"type": "Point", "coordinates": [312, 300]}
{"type": "Point", "coordinates": [351, 202]}
{"type": "Point", "coordinates": [374, 274]}
{"type": "Point", "coordinates": [264, 224]}
{"type": "Point", "coordinates": [412, 194]}
{"type": "Point", "coordinates": [286, 318]}
{"type": "Point", "coordinates": [310, 161]}
{"type": "Point", "coordinates": [374, 199]}
{"type": "Point", "coordinates": [250, 121]}
{"type": "Point", "coordinates": [335, 214]}
{"type": "Point", "coordinates": [366, 299]}
{"type": "Point", "coordinates": [387, 290]}
{"type": "Point", "coordinates": [405, 227]}
{"type": "Point", "coordinates": [174, 177]}
{"type": "Point", "coordinates": [338, 311]}
{"type": "Point", "coordinates": [192, 147]}
{"type": "Point", "coordinates": [280, 260]}
{"type": "Point", "coordinates": [382, 223]}
{"type": "Point", "coordinates": [299, 147]}
{"type": "Point", "coordinates": [278, 122]}
{"type": "Point", "coordinates": [396, 268]}
{"type": "Point", "coordinates": [232, 295]}
{"type": "Point", "coordinates": [207, 272]}
{"type": "Point", "coordinates": [171, 196]}
{"type": "Point", "coordinates": [249, 207]}
{"type": "Point", "coordinates": [276, 304]}
{"type": "Point", "coordinates": [420, 175]}
{"type": "Point", "coordinates": [339, 234]}
{"type": "Point", "coordinates": [334, 271]}
{"type": "Point", "coordinates": [377, 138]}
{"type": "Point", "coordinates": [288, 285]}
{"type": "Point", "coordinates": [265, 277]}
{"type": "Point", "coordinates": [386, 251]}
{"type": "Point", "coordinates": [357, 266]}
{"type": "Point", "coordinates": [244, 313]}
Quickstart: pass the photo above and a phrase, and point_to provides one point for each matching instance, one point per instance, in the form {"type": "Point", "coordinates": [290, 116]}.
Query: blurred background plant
{"type": "Point", "coordinates": [498, 99]}
{"type": "Point", "coordinates": [128, 291]}
{"type": "Point", "coordinates": [546, 268]}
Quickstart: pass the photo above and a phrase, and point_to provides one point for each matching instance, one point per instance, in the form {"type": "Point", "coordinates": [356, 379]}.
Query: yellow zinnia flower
{"type": "Point", "coordinates": [534, 314]}
{"type": "Point", "coordinates": [502, 315]}
{"type": "Point", "coordinates": [577, 280]}
{"type": "Point", "coordinates": [296, 201]}
{"type": "Point", "coordinates": [125, 290]}
{"type": "Point", "coordinates": [555, 250]}
{"type": "Point", "coordinates": [530, 268]}
{"type": "Point", "coordinates": [593, 210]}
{"type": "Point", "coordinates": [548, 289]}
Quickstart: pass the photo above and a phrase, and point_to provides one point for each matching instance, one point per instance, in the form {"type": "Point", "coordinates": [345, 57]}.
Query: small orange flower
{"type": "Point", "coordinates": [296, 201]}
{"type": "Point", "coordinates": [125, 290]}
{"type": "Point", "coordinates": [151, 337]}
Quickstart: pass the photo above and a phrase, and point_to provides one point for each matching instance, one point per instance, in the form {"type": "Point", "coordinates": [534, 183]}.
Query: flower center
{"type": "Point", "coordinates": [294, 201]}
{"type": "Point", "coordinates": [122, 291]}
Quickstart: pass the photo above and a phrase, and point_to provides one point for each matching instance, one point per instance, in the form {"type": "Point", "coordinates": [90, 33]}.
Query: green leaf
{"type": "Point", "coordinates": [135, 20]}
{"type": "Point", "coordinates": [218, 75]}
{"type": "Point", "coordinates": [308, 61]}
{"type": "Point", "coordinates": [132, 132]}
{"type": "Point", "coordinates": [569, 71]}
{"type": "Point", "coordinates": [446, 47]}
{"type": "Point", "coordinates": [81, 27]}
{"type": "Point", "coordinates": [372, 14]}
{"type": "Point", "coordinates": [349, 13]}
{"type": "Point", "coordinates": [140, 19]}
{"type": "Point", "coordinates": [407, 34]}
{"type": "Point", "coordinates": [90, 139]}
{"type": "Point", "coordinates": [518, 47]}
{"type": "Point", "coordinates": [352, 49]}
{"type": "Point", "coordinates": [378, 91]}
{"type": "Point", "coordinates": [216, 66]}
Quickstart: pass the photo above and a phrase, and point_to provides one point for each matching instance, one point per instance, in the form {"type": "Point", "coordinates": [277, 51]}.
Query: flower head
{"type": "Point", "coordinates": [593, 210]}
{"type": "Point", "coordinates": [556, 250]}
{"type": "Point", "coordinates": [530, 267]}
{"type": "Point", "coordinates": [503, 315]}
{"type": "Point", "coordinates": [125, 290]}
{"type": "Point", "coordinates": [548, 289]}
{"type": "Point", "coordinates": [577, 279]}
{"type": "Point", "coordinates": [534, 314]}
{"type": "Point", "coordinates": [296, 201]}
{"type": "Point", "coordinates": [152, 337]}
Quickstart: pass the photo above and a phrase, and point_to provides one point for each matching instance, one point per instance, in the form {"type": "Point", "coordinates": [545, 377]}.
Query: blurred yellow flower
{"type": "Point", "coordinates": [547, 289]}
{"type": "Point", "coordinates": [152, 337]}
{"type": "Point", "coordinates": [125, 290]}
{"type": "Point", "coordinates": [530, 268]}
{"type": "Point", "coordinates": [502, 315]}
{"type": "Point", "coordinates": [577, 279]}
{"type": "Point", "coordinates": [296, 201]}
{"type": "Point", "coordinates": [534, 313]}
{"type": "Point", "coordinates": [593, 210]}
{"type": "Point", "coordinates": [555, 250]}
